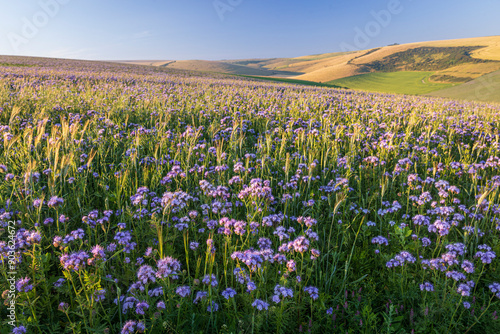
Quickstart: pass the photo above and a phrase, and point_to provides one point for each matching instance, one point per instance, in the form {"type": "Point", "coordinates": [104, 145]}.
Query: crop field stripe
{"type": "Point", "coordinates": [413, 83]}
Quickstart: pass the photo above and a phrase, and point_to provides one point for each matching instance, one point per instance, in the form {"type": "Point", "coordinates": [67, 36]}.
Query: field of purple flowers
{"type": "Point", "coordinates": [139, 200]}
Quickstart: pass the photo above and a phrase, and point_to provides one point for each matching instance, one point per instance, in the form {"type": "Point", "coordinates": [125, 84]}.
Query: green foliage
{"type": "Point", "coordinates": [449, 78]}
{"type": "Point", "coordinates": [426, 59]}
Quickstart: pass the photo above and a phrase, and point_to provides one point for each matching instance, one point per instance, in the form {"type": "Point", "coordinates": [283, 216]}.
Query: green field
{"type": "Point", "coordinates": [293, 81]}
{"type": "Point", "coordinates": [485, 88]}
{"type": "Point", "coordinates": [394, 82]}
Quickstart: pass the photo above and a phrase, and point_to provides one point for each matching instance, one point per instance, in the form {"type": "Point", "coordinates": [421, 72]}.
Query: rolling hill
{"type": "Point", "coordinates": [448, 66]}
{"type": "Point", "coordinates": [228, 67]}
{"type": "Point", "coordinates": [482, 59]}
{"type": "Point", "coordinates": [485, 88]}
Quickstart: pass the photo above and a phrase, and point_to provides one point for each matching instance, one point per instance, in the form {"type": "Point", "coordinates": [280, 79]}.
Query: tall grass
{"type": "Point", "coordinates": [156, 201]}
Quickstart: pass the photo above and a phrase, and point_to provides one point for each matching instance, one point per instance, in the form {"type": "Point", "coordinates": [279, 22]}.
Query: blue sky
{"type": "Point", "coordinates": [231, 29]}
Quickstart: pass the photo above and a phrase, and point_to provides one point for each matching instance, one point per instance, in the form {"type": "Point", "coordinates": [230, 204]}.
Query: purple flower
{"type": "Point", "coordinates": [458, 248]}
{"type": "Point", "coordinates": [55, 201]}
{"type": "Point", "coordinates": [427, 286]}
{"type": "Point", "coordinates": [128, 303]}
{"type": "Point", "coordinates": [63, 306]}
{"type": "Point", "coordinates": [264, 243]}
{"type": "Point", "coordinates": [74, 261]}
{"type": "Point", "coordinates": [160, 305]}
{"type": "Point", "coordinates": [199, 296]}
{"type": "Point", "coordinates": [426, 242]}
{"type": "Point", "coordinates": [380, 240]}
{"type": "Point", "coordinates": [464, 290]}
{"type": "Point", "coordinates": [168, 267]}
{"type": "Point", "coordinates": [141, 327]}
{"type": "Point", "coordinates": [23, 286]}
{"type": "Point", "coordinates": [495, 288]}
{"type": "Point", "coordinates": [273, 220]}
{"type": "Point", "coordinates": [308, 221]}
{"type": "Point", "coordinates": [59, 283]}
{"type": "Point", "coordinates": [141, 307]}
{"type": "Point", "coordinates": [213, 307]}
{"type": "Point", "coordinates": [156, 292]}
{"type": "Point", "coordinates": [312, 291]}
{"type": "Point", "coordinates": [258, 189]}
{"type": "Point", "coordinates": [175, 201]}
{"type": "Point", "coordinates": [146, 274]}
{"type": "Point", "coordinates": [282, 291]}
{"type": "Point", "coordinates": [98, 252]}
{"type": "Point", "coordinates": [251, 286]}
{"type": "Point", "coordinates": [457, 276]}
{"type": "Point", "coordinates": [211, 224]}
{"type": "Point", "coordinates": [468, 266]}
{"type": "Point", "coordinates": [301, 244]}
{"type": "Point", "coordinates": [125, 238]}
{"type": "Point", "coordinates": [129, 327]}
{"type": "Point", "coordinates": [100, 295]}
{"type": "Point", "coordinates": [260, 305]}
{"type": "Point", "coordinates": [78, 234]}
{"type": "Point", "coordinates": [228, 293]}
{"type": "Point", "coordinates": [314, 254]}
{"type": "Point", "coordinates": [421, 220]}
{"type": "Point", "coordinates": [400, 259]}
{"type": "Point", "coordinates": [181, 226]}
{"type": "Point", "coordinates": [183, 291]}
{"type": "Point", "coordinates": [486, 257]}
{"type": "Point", "coordinates": [48, 221]}
{"type": "Point", "coordinates": [19, 330]}
{"type": "Point", "coordinates": [57, 241]}
{"type": "Point", "coordinates": [210, 279]}
{"type": "Point", "coordinates": [32, 237]}
{"type": "Point", "coordinates": [253, 259]}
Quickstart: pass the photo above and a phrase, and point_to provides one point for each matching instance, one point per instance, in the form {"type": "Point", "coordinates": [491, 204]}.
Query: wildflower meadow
{"type": "Point", "coordinates": [136, 199]}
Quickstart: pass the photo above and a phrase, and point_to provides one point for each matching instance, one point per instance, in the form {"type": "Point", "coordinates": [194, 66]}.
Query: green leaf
{"type": "Point", "coordinates": [408, 233]}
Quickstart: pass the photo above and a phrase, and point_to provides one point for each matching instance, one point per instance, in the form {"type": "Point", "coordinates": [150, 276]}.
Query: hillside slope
{"type": "Point", "coordinates": [229, 67]}
{"type": "Point", "coordinates": [394, 82]}
{"type": "Point", "coordinates": [485, 88]}
{"type": "Point", "coordinates": [457, 60]}
{"type": "Point", "coordinates": [486, 51]}
{"type": "Point", "coordinates": [434, 65]}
